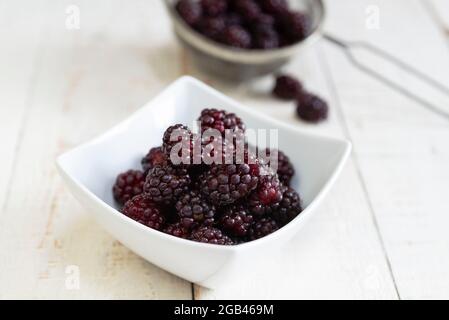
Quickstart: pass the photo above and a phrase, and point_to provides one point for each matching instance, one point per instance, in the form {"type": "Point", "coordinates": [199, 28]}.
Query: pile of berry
{"type": "Point", "coordinates": [229, 203]}
{"type": "Point", "coordinates": [257, 24]}
{"type": "Point", "coordinates": [309, 107]}
{"type": "Point", "coordinates": [246, 24]}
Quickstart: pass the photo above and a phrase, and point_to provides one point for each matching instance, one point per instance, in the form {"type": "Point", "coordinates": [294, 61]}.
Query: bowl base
{"type": "Point", "coordinates": [229, 71]}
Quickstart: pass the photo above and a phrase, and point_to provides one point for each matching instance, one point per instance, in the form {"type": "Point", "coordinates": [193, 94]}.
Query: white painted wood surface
{"type": "Point", "coordinates": [380, 234]}
{"type": "Point", "coordinates": [440, 10]}
{"type": "Point", "coordinates": [401, 149]}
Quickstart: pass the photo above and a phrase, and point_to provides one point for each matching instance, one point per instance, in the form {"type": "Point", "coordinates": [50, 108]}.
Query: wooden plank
{"type": "Point", "coordinates": [18, 65]}
{"type": "Point", "coordinates": [338, 253]}
{"type": "Point", "coordinates": [401, 148]}
{"type": "Point", "coordinates": [88, 80]}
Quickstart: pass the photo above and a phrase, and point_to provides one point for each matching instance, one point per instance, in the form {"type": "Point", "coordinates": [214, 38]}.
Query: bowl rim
{"type": "Point", "coordinates": [346, 145]}
{"type": "Point", "coordinates": [253, 56]}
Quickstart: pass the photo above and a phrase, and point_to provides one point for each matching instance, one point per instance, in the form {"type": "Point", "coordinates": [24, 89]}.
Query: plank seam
{"type": "Point", "coordinates": [21, 133]}
{"type": "Point", "coordinates": [342, 120]}
{"type": "Point", "coordinates": [184, 70]}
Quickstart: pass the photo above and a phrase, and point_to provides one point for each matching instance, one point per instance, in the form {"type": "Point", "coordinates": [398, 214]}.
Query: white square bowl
{"type": "Point", "coordinates": [90, 171]}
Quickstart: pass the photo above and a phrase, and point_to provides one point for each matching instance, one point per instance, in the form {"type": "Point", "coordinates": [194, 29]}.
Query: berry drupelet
{"type": "Point", "coordinates": [128, 185]}
{"type": "Point", "coordinates": [311, 108]}
{"type": "Point", "coordinates": [208, 234]}
{"type": "Point", "coordinates": [164, 184]}
{"type": "Point", "coordinates": [194, 210]}
{"type": "Point", "coordinates": [142, 209]}
{"type": "Point", "coordinates": [287, 87]}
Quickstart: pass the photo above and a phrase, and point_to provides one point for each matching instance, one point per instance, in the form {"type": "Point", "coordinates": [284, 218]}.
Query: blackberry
{"type": "Point", "coordinates": [193, 210]}
{"type": "Point", "coordinates": [177, 230]}
{"type": "Point", "coordinates": [164, 184]}
{"type": "Point", "coordinates": [262, 228]}
{"type": "Point", "coordinates": [285, 169]}
{"type": "Point", "coordinates": [236, 221]}
{"type": "Point", "coordinates": [297, 25]}
{"type": "Point", "coordinates": [287, 87]}
{"type": "Point", "coordinates": [213, 8]}
{"type": "Point", "coordinates": [154, 156]}
{"type": "Point", "coordinates": [274, 7]}
{"type": "Point", "coordinates": [237, 37]}
{"type": "Point", "coordinates": [178, 135]}
{"type": "Point", "coordinates": [267, 196]}
{"type": "Point", "coordinates": [288, 208]}
{"type": "Point", "coordinates": [266, 39]}
{"type": "Point", "coordinates": [248, 9]}
{"type": "Point", "coordinates": [261, 22]}
{"type": "Point", "coordinates": [224, 184]}
{"type": "Point", "coordinates": [311, 108]}
{"type": "Point", "coordinates": [233, 19]}
{"type": "Point", "coordinates": [128, 185]}
{"type": "Point", "coordinates": [269, 189]}
{"type": "Point", "coordinates": [212, 27]}
{"type": "Point", "coordinates": [208, 234]}
{"type": "Point", "coordinates": [189, 10]}
{"type": "Point", "coordinates": [220, 120]}
{"type": "Point", "coordinates": [143, 210]}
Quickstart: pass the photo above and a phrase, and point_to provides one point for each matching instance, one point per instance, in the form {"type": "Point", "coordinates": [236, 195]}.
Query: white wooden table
{"type": "Point", "coordinates": [382, 233]}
